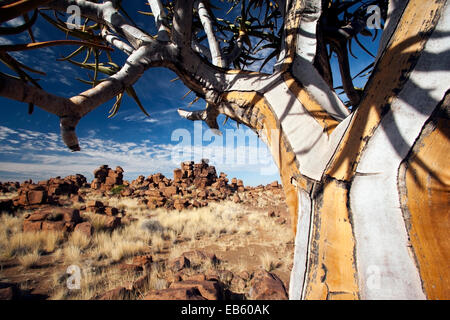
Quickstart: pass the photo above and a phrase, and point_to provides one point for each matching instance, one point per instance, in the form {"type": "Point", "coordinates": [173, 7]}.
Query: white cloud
{"type": "Point", "coordinates": [15, 22]}
{"type": "Point", "coordinates": [5, 41]}
{"type": "Point", "coordinates": [37, 155]}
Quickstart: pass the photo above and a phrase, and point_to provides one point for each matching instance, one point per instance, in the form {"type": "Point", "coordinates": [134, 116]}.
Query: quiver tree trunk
{"type": "Point", "coordinates": [368, 192]}
{"type": "Point", "coordinates": [367, 188]}
{"type": "Point", "coordinates": [374, 224]}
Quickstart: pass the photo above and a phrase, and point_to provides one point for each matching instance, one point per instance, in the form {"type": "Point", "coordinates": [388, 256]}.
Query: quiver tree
{"type": "Point", "coordinates": [366, 180]}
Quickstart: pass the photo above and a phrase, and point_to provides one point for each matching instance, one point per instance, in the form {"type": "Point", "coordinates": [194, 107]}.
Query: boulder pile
{"type": "Point", "coordinates": [52, 219]}
{"type": "Point", "coordinates": [106, 179]}
{"type": "Point", "coordinates": [194, 185]}
{"type": "Point", "coordinates": [6, 187]}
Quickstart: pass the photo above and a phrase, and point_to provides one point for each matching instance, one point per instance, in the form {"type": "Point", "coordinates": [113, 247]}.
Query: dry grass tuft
{"type": "Point", "coordinates": [269, 262]}
{"type": "Point", "coordinates": [79, 239]}
{"type": "Point", "coordinates": [22, 243]}
{"type": "Point", "coordinates": [30, 259]}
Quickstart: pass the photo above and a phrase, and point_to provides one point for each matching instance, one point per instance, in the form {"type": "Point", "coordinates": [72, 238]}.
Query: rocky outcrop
{"type": "Point", "coordinates": [6, 187]}
{"type": "Point", "coordinates": [52, 219]}
{"type": "Point", "coordinates": [106, 179]}
{"type": "Point", "coordinates": [47, 192]}
{"type": "Point", "coordinates": [193, 186]}
{"type": "Point", "coordinates": [267, 286]}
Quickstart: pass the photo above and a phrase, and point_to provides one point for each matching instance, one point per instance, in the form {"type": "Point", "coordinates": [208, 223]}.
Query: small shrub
{"type": "Point", "coordinates": [117, 189]}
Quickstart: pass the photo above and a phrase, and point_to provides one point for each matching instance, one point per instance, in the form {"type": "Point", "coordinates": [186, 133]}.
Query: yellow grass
{"type": "Point", "coordinates": [30, 259]}
{"type": "Point", "coordinates": [268, 261]}
{"type": "Point", "coordinates": [162, 233]}
{"type": "Point", "coordinates": [22, 243]}
{"type": "Point", "coordinates": [79, 239]}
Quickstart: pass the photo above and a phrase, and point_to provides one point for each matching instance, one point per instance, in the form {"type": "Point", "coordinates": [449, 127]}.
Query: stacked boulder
{"type": "Point", "coordinates": [31, 195]}
{"type": "Point", "coordinates": [192, 186]}
{"type": "Point", "coordinates": [57, 186]}
{"type": "Point", "coordinates": [52, 219]}
{"type": "Point", "coordinates": [106, 179]}
{"type": "Point", "coordinates": [6, 187]}
{"type": "Point", "coordinates": [108, 215]}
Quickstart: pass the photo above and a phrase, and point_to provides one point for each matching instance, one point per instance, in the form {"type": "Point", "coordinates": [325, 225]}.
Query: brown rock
{"type": "Point", "coordinates": [85, 228]}
{"type": "Point", "coordinates": [95, 210]}
{"type": "Point", "coordinates": [126, 192]}
{"type": "Point", "coordinates": [94, 204]}
{"type": "Point", "coordinates": [244, 275]}
{"type": "Point", "coordinates": [212, 275]}
{"type": "Point", "coordinates": [177, 174]}
{"type": "Point", "coordinates": [111, 211]}
{"type": "Point", "coordinates": [210, 290]}
{"type": "Point", "coordinates": [112, 222]}
{"type": "Point", "coordinates": [180, 204]}
{"type": "Point", "coordinates": [200, 256]}
{"type": "Point", "coordinates": [274, 184]}
{"type": "Point", "coordinates": [179, 264]}
{"type": "Point", "coordinates": [236, 198]}
{"type": "Point", "coordinates": [120, 293]}
{"type": "Point", "coordinates": [238, 283]}
{"type": "Point", "coordinates": [37, 216]}
{"type": "Point", "coordinates": [141, 284]}
{"type": "Point", "coordinates": [170, 191]}
{"type": "Point", "coordinates": [77, 198]}
{"type": "Point", "coordinates": [174, 294]}
{"type": "Point", "coordinates": [195, 277]}
{"type": "Point", "coordinates": [143, 261]}
{"type": "Point", "coordinates": [157, 178]}
{"type": "Point", "coordinates": [130, 268]}
{"type": "Point", "coordinates": [32, 226]}
{"type": "Point", "coordinates": [119, 169]}
{"type": "Point", "coordinates": [8, 292]}
{"type": "Point", "coordinates": [36, 197]}
{"type": "Point", "coordinates": [53, 226]}
{"type": "Point", "coordinates": [70, 215]}
{"type": "Point", "coordinates": [113, 181]}
{"type": "Point", "coordinates": [267, 286]}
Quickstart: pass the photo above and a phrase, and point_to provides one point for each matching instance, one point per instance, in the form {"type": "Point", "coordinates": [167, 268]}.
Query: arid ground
{"type": "Point", "coordinates": [197, 236]}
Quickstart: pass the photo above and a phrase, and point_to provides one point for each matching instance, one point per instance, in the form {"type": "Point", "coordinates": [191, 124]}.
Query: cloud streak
{"type": "Point", "coordinates": [37, 155]}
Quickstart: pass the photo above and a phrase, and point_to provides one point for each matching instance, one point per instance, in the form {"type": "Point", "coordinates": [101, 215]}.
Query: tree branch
{"type": "Point", "coordinates": [207, 24]}
{"type": "Point", "coordinates": [182, 24]}
{"type": "Point", "coordinates": [115, 41]}
{"type": "Point", "coordinates": [159, 14]}
{"type": "Point", "coordinates": [106, 14]}
{"type": "Point", "coordinates": [306, 42]}
{"type": "Point", "coordinates": [198, 47]}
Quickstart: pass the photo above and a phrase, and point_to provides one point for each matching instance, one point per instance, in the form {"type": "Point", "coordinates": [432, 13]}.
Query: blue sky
{"type": "Point", "coordinates": [31, 147]}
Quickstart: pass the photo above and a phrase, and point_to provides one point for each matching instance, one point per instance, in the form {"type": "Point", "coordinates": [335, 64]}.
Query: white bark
{"type": "Point", "coordinates": [306, 36]}
{"type": "Point", "coordinates": [117, 42]}
{"type": "Point", "coordinates": [395, 11]}
{"type": "Point", "coordinates": [308, 140]}
{"type": "Point", "coordinates": [198, 47]}
{"type": "Point", "coordinates": [298, 273]}
{"type": "Point", "coordinates": [379, 225]}
{"type": "Point", "coordinates": [214, 47]}
{"type": "Point", "coordinates": [159, 14]}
